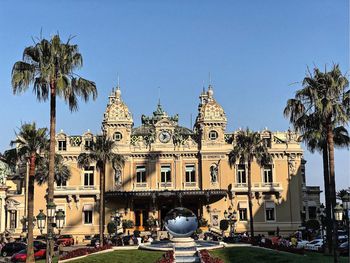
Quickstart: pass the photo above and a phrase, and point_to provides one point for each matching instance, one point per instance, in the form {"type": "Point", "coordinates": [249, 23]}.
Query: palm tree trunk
{"type": "Point", "coordinates": [250, 204]}
{"type": "Point", "coordinates": [328, 210]}
{"type": "Point", "coordinates": [332, 192]}
{"type": "Point", "coordinates": [102, 202]}
{"type": "Point", "coordinates": [50, 183]}
{"type": "Point", "coordinates": [30, 213]}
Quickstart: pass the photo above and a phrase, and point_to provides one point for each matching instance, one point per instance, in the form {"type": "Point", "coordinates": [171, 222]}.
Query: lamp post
{"type": "Point", "coordinates": [231, 216]}
{"type": "Point", "coordinates": [338, 216]}
{"type": "Point", "coordinates": [60, 220]}
{"type": "Point", "coordinates": [51, 211]}
{"type": "Point", "coordinates": [41, 219]}
{"type": "Point", "coordinates": [321, 215]}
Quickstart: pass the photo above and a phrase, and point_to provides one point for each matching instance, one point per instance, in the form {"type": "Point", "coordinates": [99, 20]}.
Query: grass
{"type": "Point", "coordinates": [247, 254]}
{"type": "Point", "coordinates": [235, 254]}
{"type": "Point", "coordinates": [122, 256]}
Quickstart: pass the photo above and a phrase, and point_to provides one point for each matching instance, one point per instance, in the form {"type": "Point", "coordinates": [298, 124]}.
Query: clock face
{"type": "Point", "coordinates": [164, 136]}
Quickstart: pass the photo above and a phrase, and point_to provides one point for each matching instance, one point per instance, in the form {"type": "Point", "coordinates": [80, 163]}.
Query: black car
{"type": "Point", "coordinates": [39, 244]}
{"type": "Point", "coordinates": [11, 248]}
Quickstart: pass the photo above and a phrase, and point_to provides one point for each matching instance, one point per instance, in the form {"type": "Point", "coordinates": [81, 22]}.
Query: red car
{"type": "Point", "coordinates": [22, 255]}
{"type": "Point", "coordinates": [65, 240]}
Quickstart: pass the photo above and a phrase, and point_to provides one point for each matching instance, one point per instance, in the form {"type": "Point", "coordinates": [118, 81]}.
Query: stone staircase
{"type": "Point", "coordinates": [186, 254]}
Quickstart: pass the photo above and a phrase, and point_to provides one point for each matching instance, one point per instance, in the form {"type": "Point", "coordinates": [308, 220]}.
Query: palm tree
{"type": "Point", "coordinates": [30, 142]}
{"type": "Point", "coordinates": [49, 67]}
{"type": "Point", "coordinates": [249, 146]}
{"type": "Point", "coordinates": [315, 139]}
{"type": "Point", "coordinates": [325, 95]}
{"type": "Point", "coordinates": [101, 154]}
{"type": "Point", "coordinates": [62, 171]}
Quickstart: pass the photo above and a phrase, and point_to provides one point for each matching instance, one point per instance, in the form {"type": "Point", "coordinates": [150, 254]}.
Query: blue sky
{"type": "Point", "coordinates": [254, 50]}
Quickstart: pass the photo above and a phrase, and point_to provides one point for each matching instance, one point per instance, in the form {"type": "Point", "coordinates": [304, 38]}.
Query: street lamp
{"type": "Point", "coordinates": [41, 219]}
{"type": "Point", "coordinates": [338, 213]}
{"type": "Point", "coordinates": [321, 215]}
{"type": "Point", "coordinates": [231, 218]}
{"type": "Point", "coordinates": [51, 211]}
{"type": "Point", "coordinates": [60, 220]}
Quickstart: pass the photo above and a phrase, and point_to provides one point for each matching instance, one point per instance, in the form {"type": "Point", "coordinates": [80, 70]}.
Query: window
{"type": "Point", "coordinates": [241, 174]}
{"type": "Point", "coordinates": [140, 174]}
{"type": "Point", "coordinates": [61, 183]}
{"type": "Point", "coordinates": [312, 212]}
{"type": "Point", "coordinates": [190, 174]}
{"type": "Point", "coordinates": [87, 214]}
{"type": "Point", "coordinates": [13, 219]}
{"type": "Point", "coordinates": [242, 211]}
{"type": "Point", "coordinates": [242, 214]}
{"type": "Point", "coordinates": [268, 174]}
{"type": "Point", "coordinates": [165, 173]}
{"type": "Point", "coordinates": [270, 211]}
{"type": "Point", "coordinates": [88, 144]}
{"type": "Point", "coordinates": [213, 135]}
{"type": "Point", "coordinates": [117, 136]}
{"type": "Point", "coordinates": [89, 176]}
{"type": "Point", "coordinates": [62, 145]}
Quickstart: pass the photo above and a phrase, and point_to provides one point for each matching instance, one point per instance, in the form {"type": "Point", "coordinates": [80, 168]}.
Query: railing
{"type": "Point", "coordinates": [140, 185]}
{"type": "Point", "coordinates": [78, 189]}
{"type": "Point", "coordinates": [260, 186]}
{"type": "Point", "coordinates": [165, 184]}
{"type": "Point", "coordinates": [190, 184]}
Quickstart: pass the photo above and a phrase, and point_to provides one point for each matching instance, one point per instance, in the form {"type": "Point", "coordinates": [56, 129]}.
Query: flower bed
{"type": "Point", "coordinates": [168, 257]}
{"type": "Point", "coordinates": [83, 251]}
{"type": "Point", "coordinates": [205, 257]}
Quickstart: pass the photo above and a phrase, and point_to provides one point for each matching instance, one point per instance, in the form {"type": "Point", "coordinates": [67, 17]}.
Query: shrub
{"type": "Point", "coordinates": [168, 257]}
{"type": "Point", "coordinates": [128, 223]}
{"type": "Point", "coordinates": [205, 257]}
{"type": "Point", "coordinates": [313, 224]}
{"type": "Point", "coordinates": [83, 251]}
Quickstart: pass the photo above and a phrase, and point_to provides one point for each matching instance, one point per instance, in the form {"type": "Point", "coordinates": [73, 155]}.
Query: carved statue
{"type": "Point", "coordinates": [214, 169]}
{"type": "Point", "coordinates": [4, 172]}
{"type": "Point", "coordinates": [118, 177]}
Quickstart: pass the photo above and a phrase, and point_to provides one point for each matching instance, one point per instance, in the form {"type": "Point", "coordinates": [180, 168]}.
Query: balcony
{"type": "Point", "coordinates": [190, 184]}
{"type": "Point", "coordinates": [76, 190]}
{"type": "Point", "coordinates": [165, 185]}
{"type": "Point", "coordinates": [258, 187]}
{"type": "Point", "coordinates": [140, 186]}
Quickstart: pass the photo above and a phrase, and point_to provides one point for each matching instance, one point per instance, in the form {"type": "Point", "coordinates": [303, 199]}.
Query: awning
{"type": "Point", "coordinates": [87, 207]}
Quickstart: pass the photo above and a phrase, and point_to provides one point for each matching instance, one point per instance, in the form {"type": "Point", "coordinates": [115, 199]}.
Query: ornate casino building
{"type": "Point", "coordinates": [168, 165]}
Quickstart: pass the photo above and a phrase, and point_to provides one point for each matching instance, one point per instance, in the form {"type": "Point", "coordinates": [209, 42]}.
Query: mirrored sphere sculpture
{"type": "Point", "coordinates": [181, 222]}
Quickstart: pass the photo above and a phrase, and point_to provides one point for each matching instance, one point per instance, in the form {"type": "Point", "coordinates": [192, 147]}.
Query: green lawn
{"type": "Point", "coordinates": [122, 256]}
{"type": "Point", "coordinates": [247, 254]}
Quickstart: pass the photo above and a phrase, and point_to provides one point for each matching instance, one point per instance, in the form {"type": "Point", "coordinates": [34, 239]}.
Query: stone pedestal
{"type": "Point", "coordinates": [183, 242]}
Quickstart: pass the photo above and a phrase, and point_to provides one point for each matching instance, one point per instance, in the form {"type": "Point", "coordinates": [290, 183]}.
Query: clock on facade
{"type": "Point", "coordinates": [164, 136]}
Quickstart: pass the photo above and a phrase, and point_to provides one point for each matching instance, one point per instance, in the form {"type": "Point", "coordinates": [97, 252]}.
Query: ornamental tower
{"type": "Point", "coordinates": [211, 120]}
{"type": "Point", "coordinates": [117, 121]}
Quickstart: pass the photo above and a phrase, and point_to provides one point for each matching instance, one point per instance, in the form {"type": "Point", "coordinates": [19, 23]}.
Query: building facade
{"type": "Point", "coordinates": [168, 165]}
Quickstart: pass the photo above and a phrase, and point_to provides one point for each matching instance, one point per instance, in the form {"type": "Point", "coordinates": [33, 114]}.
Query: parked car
{"type": "Point", "coordinates": [65, 240]}
{"type": "Point", "coordinates": [12, 248]}
{"type": "Point", "coordinates": [315, 245]}
{"type": "Point", "coordinates": [21, 256]}
{"type": "Point", "coordinates": [344, 248]}
{"type": "Point", "coordinates": [302, 243]}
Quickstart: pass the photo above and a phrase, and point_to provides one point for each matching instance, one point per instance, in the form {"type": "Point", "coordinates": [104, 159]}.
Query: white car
{"type": "Point", "coordinates": [315, 245]}
{"type": "Point", "coordinates": [302, 243]}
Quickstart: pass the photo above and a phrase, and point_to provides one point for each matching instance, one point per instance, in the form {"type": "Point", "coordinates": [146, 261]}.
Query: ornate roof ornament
{"type": "Point", "coordinates": [209, 109]}
{"type": "Point", "coordinates": [117, 110]}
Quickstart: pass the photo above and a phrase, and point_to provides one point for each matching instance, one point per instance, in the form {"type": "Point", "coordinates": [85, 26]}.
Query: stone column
{"type": "Point", "coordinates": [2, 208]}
